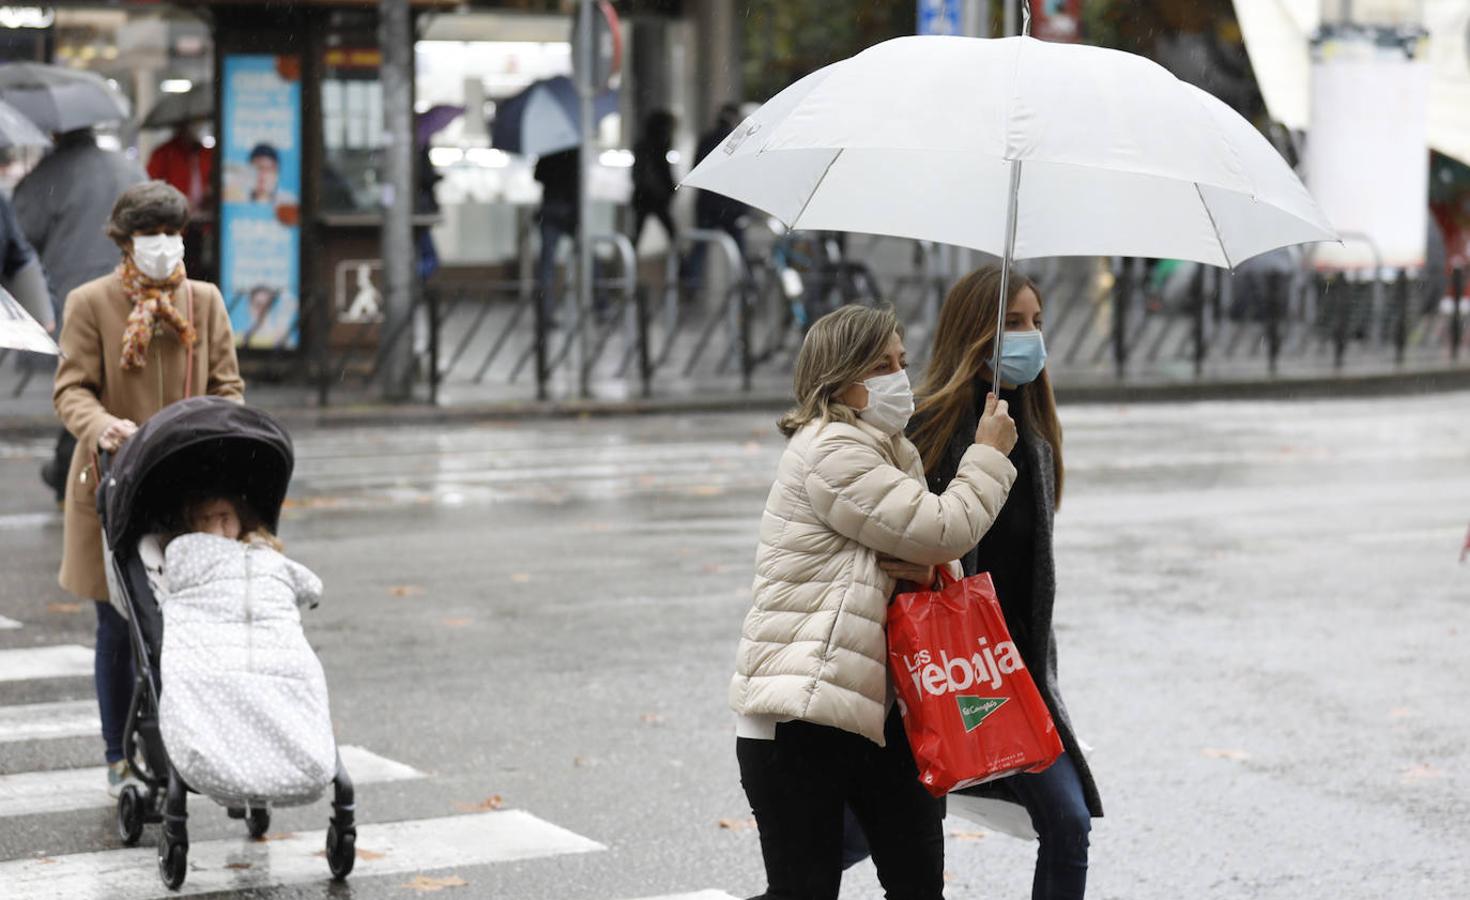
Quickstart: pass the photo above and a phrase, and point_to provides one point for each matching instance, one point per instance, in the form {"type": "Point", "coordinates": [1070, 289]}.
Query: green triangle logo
{"type": "Point", "coordinates": [975, 710]}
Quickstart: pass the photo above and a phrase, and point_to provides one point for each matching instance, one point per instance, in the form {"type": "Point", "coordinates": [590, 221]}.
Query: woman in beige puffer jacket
{"type": "Point", "coordinates": [848, 517]}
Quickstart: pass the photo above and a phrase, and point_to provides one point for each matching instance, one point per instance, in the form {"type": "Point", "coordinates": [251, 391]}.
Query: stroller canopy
{"type": "Point", "coordinates": [199, 445]}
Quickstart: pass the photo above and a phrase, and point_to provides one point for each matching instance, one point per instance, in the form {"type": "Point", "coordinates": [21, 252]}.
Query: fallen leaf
{"type": "Point", "coordinates": [366, 855]}
{"type": "Point", "coordinates": [425, 884]}
{"type": "Point", "coordinates": [737, 824]}
{"type": "Point", "coordinates": [647, 480]}
{"type": "Point", "coordinates": [45, 861]}
{"type": "Point", "coordinates": [1422, 772]}
{"type": "Point", "coordinates": [63, 608]}
{"type": "Point", "coordinates": [239, 866]}
{"type": "Point", "coordinates": [520, 577]}
{"type": "Point", "coordinates": [280, 836]}
{"type": "Point", "coordinates": [1216, 753]}
{"type": "Point", "coordinates": [583, 762]}
{"type": "Point", "coordinates": [1402, 712]}
{"type": "Point", "coordinates": [706, 490]}
{"type": "Point", "coordinates": [406, 590]}
{"type": "Point", "coordinates": [457, 623]}
{"type": "Point", "coordinates": [651, 719]}
{"type": "Point", "coordinates": [714, 568]}
{"type": "Point", "coordinates": [489, 804]}
{"type": "Point", "coordinates": [969, 835]}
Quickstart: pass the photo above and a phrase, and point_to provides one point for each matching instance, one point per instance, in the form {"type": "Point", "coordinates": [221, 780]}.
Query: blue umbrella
{"type": "Point", "coordinates": [544, 118]}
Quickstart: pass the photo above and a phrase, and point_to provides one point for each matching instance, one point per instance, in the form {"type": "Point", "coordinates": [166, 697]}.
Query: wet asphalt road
{"type": "Point", "coordinates": [1261, 618]}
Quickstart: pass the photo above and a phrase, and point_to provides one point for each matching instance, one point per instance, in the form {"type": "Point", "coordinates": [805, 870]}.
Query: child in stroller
{"type": "Point", "coordinates": [229, 699]}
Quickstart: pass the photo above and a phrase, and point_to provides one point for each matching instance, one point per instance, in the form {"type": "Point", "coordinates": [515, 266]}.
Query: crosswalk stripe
{"type": "Point", "coordinates": [8, 623]}
{"type": "Point", "coordinates": [67, 790]}
{"type": "Point", "coordinates": [235, 864]}
{"type": "Point", "coordinates": [697, 895]}
{"type": "Point", "coordinates": [42, 721]}
{"type": "Point", "coordinates": [63, 661]}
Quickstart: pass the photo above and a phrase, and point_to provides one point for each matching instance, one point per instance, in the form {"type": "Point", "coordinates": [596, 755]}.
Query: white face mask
{"type": "Point", "coordinates": [158, 255]}
{"type": "Point", "coordinates": [890, 402]}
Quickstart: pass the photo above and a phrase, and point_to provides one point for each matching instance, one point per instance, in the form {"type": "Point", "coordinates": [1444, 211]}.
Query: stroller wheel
{"type": "Point", "coordinates": [341, 851]}
{"type": "Point", "coordinates": [130, 815]}
{"type": "Point", "coordinates": [258, 820]}
{"type": "Point", "coordinates": [173, 863]}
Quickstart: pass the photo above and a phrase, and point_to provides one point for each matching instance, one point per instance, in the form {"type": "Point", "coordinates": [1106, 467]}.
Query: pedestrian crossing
{"type": "Point", "coordinates": [393, 848]}
{"type": "Point", "coordinates": [453, 843]}
{"type": "Point", "coordinates": [63, 661]}
{"type": "Point", "coordinates": [66, 790]}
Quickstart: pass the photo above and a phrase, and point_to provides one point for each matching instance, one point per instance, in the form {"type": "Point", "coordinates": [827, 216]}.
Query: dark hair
{"type": "Point", "coordinates": [147, 207]}
{"type": "Point", "coordinates": [265, 151]}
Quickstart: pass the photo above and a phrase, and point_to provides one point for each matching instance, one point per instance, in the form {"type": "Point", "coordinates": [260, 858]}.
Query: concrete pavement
{"type": "Point", "coordinates": [1261, 620]}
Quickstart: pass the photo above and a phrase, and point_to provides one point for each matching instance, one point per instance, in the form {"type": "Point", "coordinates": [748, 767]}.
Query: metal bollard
{"type": "Point", "coordinates": [1401, 317]}
{"type": "Point", "coordinates": [1275, 288]}
{"type": "Point", "coordinates": [1199, 322]}
{"type": "Point", "coordinates": [1337, 294]}
{"type": "Point", "coordinates": [539, 298]}
{"type": "Point", "coordinates": [1457, 324]}
{"type": "Point", "coordinates": [645, 358]}
{"type": "Point", "coordinates": [1122, 298]}
{"type": "Point", "coordinates": [431, 294]}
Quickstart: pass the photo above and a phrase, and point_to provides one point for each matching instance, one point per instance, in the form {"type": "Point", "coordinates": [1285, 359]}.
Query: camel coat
{"type": "Point", "coordinates": [814, 645]}
{"type": "Point", "coordinates": [92, 390]}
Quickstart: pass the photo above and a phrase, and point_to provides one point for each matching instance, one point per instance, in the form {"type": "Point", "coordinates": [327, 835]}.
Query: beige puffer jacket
{"type": "Point", "coordinates": [814, 645]}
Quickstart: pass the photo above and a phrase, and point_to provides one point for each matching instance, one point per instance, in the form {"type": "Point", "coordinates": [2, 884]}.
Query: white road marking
{"type": "Point", "coordinates": [8, 623]}
{"type": "Point", "coordinates": [397, 848]}
{"type": "Point", "coordinates": [697, 895]}
{"type": "Point", "coordinates": [42, 721]}
{"type": "Point", "coordinates": [64, 661]}
{"type": "Point", "coordinates": [29, 520]}
{"type": "Point", "coordinates": [67, 790]}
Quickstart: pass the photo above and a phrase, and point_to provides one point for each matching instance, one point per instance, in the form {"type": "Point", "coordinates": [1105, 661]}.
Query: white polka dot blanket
{"type": "Point", "coordinates": [244, 707]}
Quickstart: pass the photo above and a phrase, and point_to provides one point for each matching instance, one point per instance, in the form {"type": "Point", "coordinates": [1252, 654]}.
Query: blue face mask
{"type": "Point", "coordinates": [1022, 357]}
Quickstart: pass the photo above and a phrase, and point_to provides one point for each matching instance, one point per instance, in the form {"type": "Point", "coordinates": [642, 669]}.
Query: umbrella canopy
{"type": "Point", "coordinates": [194, 105]}
{"type": "Point", "coordinates": [199, 444]}
{"type": "Point", "coordinates": [544, 118]}
{"type": "Point", "coordinates": [18, 331]}
{"type": "Point", "coordinates": [434, 120]}
{"type": "Point", "coordinates": [1103, 153]}
{"type": "Point", "coordinates": [18, 131]}
{"type": "Point", "coordinates": [59, 99]}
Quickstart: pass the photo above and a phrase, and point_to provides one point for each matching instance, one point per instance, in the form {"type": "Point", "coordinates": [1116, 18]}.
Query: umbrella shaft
{"type": "Point", "coordinates": [1012, 199]}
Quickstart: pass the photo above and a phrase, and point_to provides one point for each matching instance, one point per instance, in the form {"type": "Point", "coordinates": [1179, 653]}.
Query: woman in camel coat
{"type": "Point", "coordinates": [132, 342]}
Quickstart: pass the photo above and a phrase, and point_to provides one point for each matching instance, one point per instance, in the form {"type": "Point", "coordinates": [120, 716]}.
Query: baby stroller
{"type": "Point", "coordinates": [202, 443]}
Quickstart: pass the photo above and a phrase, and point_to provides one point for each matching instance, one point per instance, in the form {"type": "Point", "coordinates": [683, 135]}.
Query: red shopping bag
{"type": "Point", "coordinates": [970, 708]}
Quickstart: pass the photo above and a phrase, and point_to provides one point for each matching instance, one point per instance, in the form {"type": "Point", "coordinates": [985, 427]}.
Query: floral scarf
{"type": "Point", "coordinates": [152, 300]}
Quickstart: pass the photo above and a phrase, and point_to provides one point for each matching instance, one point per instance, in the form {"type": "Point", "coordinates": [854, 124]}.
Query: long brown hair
{"type": "Point", "coordinates": [964, 342]}
{"type": "Point", "coordinates": [840, 349]}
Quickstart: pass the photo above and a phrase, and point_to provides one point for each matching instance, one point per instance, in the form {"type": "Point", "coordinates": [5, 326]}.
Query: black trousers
{"type": "Point", "coordinates": [798, 786]}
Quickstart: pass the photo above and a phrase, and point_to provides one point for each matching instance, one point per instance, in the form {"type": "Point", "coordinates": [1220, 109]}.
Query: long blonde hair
{"type": "Point", "coordinates": [964, 342]}
{"type": "Point", "coordinates": [840, 349]}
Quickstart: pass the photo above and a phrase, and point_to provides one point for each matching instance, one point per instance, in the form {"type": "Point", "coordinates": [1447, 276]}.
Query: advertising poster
{"type": "Point", "coordinates": [260, 235]}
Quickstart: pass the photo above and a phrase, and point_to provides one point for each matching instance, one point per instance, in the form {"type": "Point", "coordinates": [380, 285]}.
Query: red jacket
{"type": "Point", "coordinates": [186, 164]}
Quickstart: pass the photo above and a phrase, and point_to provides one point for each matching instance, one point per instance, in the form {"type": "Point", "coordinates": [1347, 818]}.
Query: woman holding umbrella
{"type": "Point", "coordinates": [132, 342]}
{"type": "Point", "coordinates": [847, 518]}
{"type": "Point", "coordinates": [1017, 547]}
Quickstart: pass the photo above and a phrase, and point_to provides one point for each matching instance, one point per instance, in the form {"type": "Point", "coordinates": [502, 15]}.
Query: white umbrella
{"type": "Point", "coordinates": [18, 331]}
{"type": "Point", "coordinates": [18, 131]}
{"type": "Point", "coordinates": [1020, 148]}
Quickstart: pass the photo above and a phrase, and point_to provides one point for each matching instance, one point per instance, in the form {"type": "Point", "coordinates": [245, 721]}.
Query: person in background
{"type": "Point", "coordinates": [561, 179]}
{"type": "Point", "coordinates": [653, 177]}
{"type": "Point", "coordinates": [61, 206]}
{"type": "Point", "coordinates": [184, 162]}
{"type": "Point", "coordinates": [715, 212]}
{"type": "Point", "coordinates": [132, 341]}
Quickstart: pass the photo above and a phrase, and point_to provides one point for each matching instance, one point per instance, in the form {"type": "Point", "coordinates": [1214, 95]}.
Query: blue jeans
{"type": "Point", "coordinates": [114, 677]}
{"type": "Point", "coordinates": [1059, 814]}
